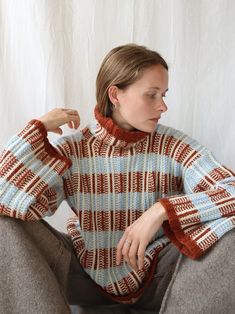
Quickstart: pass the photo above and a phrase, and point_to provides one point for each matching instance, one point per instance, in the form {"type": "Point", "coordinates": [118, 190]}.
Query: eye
{"type": "Point", "coordinates": [152, 95]}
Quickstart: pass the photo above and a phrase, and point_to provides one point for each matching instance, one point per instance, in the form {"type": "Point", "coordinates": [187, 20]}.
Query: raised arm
{"type": "Point", "coordinates": [32, 170]}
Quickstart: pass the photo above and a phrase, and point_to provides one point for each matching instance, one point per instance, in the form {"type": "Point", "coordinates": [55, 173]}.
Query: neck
{"type": "Point", "coordinates": [120, 122]}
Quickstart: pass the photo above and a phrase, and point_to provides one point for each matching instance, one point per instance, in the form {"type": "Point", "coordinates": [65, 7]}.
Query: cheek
{"type": "Point", "coordinates": [134, 110]}
{"type": "Point", "coordinates": [129, 104]}
{"type": "Point", "coordinates": [135, 103]}
{"type": "Point", "coordinates": [135, 107]}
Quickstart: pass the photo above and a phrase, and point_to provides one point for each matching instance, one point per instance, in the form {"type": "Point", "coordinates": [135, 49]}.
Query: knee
{"type": "Point", "coordinates": [15, 234]}
{"type": "Point", "coordinates": [7, 225]}
{"type": "Point", "coordinates": [214, 269]}
{"type": "Point", "coordinates": [12, 234]}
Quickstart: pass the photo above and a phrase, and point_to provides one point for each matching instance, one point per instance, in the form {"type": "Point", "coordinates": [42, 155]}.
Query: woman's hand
{"type": "Point", "coordinates": [137, 236]}
{"type": "Point", "coordinates": [58, 117]}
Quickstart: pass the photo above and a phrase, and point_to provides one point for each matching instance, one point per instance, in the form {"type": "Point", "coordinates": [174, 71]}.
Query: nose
{"type": "Point", "coordinates": [162, 105]}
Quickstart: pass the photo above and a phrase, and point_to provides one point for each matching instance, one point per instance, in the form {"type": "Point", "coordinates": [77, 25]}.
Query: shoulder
{"type": "Point", "coordinates": [179, 140]}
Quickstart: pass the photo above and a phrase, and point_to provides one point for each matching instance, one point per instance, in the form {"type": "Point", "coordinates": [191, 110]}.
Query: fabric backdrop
{"type": "Point", "coordinates": [51, 50]}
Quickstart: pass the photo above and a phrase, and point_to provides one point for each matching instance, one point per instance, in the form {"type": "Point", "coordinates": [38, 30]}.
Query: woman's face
{"type": "Point", "coordinates": [141, 104]}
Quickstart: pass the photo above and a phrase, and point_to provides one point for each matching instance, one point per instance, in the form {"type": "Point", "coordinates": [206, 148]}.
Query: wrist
{"type": "Point", "coordinates": [43, 122]}
{"type": "Point", "coordinates": [160, 210]}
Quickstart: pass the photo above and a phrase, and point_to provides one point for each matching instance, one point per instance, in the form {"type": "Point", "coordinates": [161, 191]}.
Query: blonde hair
{"type": "Point", "coordinates": [121, 67]}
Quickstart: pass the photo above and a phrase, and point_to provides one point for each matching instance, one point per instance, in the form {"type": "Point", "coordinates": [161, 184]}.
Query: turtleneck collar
{"type": "Point", "coordinates": [110, 133]}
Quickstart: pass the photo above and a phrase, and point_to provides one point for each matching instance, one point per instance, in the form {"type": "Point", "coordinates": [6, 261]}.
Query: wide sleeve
{"type": "Point", "coordinates": [206, 211]}
{"type": "Point", "coordinates": [31, 175]}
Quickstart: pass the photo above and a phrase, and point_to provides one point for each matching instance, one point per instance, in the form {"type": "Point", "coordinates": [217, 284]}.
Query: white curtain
{"type": "Point", "coordinates": [51, 50]}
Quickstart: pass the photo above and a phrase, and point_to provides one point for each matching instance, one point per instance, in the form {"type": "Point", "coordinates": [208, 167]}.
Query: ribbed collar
{"type": "Point", "coordinates": [110, 133]}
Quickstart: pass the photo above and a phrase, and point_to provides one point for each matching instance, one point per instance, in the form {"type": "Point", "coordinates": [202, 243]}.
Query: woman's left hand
{"type": "Point", "coordinates": [137, 236]}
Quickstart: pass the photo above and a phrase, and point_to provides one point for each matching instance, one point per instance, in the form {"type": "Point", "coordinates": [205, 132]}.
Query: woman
{"type": "Point", "coordinates": [141, 193]}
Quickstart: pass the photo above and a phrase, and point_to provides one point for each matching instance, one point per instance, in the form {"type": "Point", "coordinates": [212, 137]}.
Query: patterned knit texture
{"type": "Point", "coordinates": [109, 177]}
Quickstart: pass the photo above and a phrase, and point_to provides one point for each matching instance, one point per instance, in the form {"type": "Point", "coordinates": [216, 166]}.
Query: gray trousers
{"type": "Point", "coordinates": [39, 273]}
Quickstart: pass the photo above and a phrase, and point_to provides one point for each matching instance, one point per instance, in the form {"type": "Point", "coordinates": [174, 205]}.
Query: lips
{"type": "Point", "coordinates": [155, 119]}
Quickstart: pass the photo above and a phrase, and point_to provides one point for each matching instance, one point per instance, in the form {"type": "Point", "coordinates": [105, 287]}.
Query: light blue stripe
{"type": "Point", "coordinates": [225, 181]}
{"type": "Point", "coordinates": [225, 184]}
{"type": "Point", "coordinates": [230, 188]}
{"type": "Point", "coordinates": [130, 200]}
{"type": "Point", "coordinates": [199, 199]}
{"type": "Point", "coordinates": [135, 200]}
{"type": "Point", "coordinates": [26, 156]}
{"type": "Point", "coordinates": [16, 199]}
{"type": "Point", "coordinates": [220, 226]}
{"type": "Point", "coordinates": [15, 144]}
{"type": "Point", "coordinates": [203, 204]}
{"type": "Point", "coordinates": [11, 195]}
{"type": "Point", "coordinates": [104, 165]}
{"type": "Point", "coordinates": [103, 239]}
{"type": "Point", "coordinates": [195, 174]}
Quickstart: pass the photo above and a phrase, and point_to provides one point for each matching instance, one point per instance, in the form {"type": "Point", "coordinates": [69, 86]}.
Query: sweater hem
{"type": "Point", "coordinates": [134, 296]}
{"type": "Point", "coordinates": [175, 233]}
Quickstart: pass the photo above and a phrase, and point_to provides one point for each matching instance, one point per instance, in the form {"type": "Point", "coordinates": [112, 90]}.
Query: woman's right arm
{"type": "Point", "coordinates": [31, 169]}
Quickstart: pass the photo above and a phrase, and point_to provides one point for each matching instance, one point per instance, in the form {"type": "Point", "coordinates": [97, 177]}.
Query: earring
{"type": "Point", "coordinates": [115, 106]}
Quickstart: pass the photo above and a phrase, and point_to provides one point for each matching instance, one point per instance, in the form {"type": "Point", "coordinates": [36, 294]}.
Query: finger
{"type": "Point", "coordinates": [71, 112]}
{"type": "Point", "coordinates": [125, 251]}
{"type": "Point", "coordinates": [70, 124]}
{"type": "Point", "coordinates": [68, 110]}
{"type": "Point", "coordinates": [119, 250]}
{"type": "Point", "coordinates": [57, 131]}
{"type": "Point", "coordinates": [133, 250]}
{"type": "Point", "coordinates": [73, 121]}
{"type": "Point", "coordinates": [141, 251]}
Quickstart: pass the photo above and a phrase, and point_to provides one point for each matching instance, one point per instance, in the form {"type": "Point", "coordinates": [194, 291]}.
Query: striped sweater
{"type": "Point", "coordinates": [109, 177]}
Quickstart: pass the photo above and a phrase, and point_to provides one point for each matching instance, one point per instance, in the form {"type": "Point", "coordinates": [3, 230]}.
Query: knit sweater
{"type": "Point", "coordinates": [109, 177]}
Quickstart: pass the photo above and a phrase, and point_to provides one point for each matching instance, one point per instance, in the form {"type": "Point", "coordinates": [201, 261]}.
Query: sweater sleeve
{"type": "Point", "coordinates": [206, 211]}
{"type": "Point", "coordinates": [31, 175]}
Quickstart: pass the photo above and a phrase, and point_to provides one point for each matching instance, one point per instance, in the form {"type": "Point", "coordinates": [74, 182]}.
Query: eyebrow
{"type": "Point", "coordinates": [158, 88]}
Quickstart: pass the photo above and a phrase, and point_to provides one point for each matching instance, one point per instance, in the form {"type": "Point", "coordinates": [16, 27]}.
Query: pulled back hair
{"type": "Point", "coordinates": [121, 67]}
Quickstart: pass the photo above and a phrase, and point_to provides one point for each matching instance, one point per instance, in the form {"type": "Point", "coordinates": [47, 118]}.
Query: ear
{"type": "Point", "coordinates": [113, 93]}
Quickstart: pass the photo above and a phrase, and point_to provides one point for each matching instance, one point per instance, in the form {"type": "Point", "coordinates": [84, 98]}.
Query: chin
{"type": "Point", "coordinates": [147, 129]}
